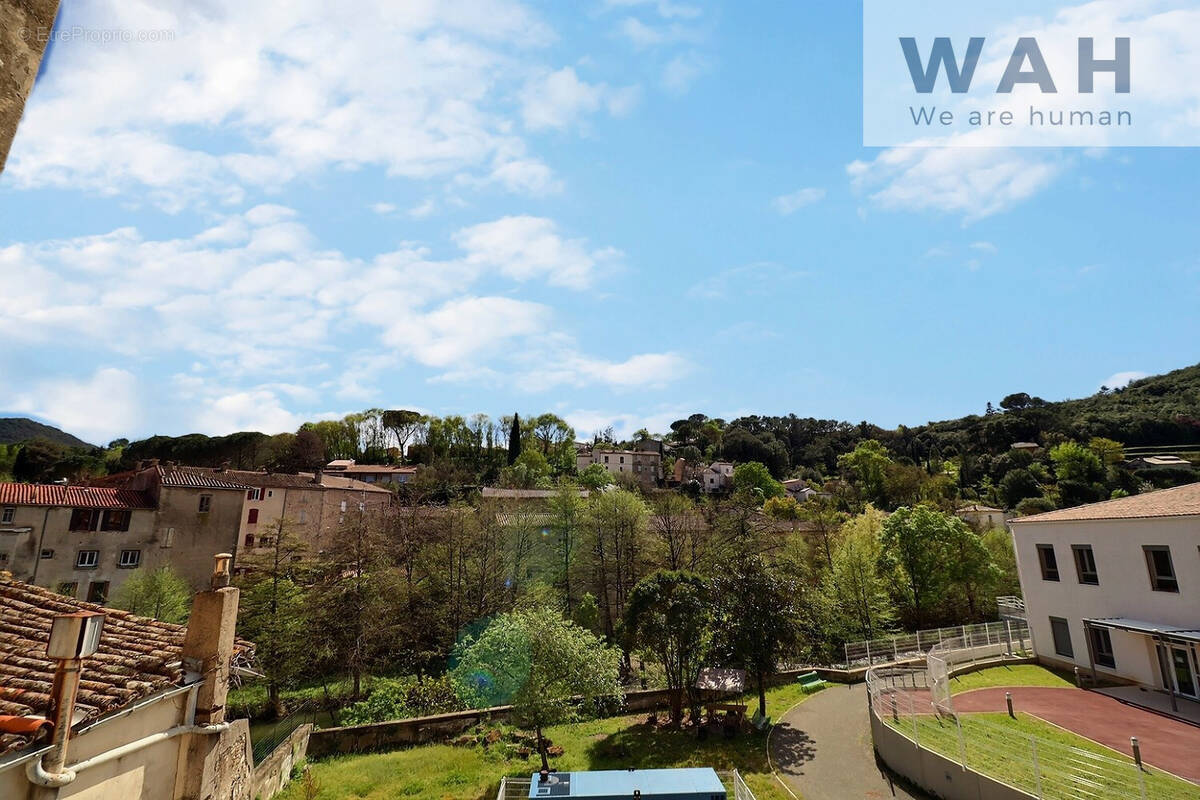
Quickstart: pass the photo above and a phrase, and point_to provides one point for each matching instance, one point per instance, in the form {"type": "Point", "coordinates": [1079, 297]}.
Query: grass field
{"type": "Point", "coordinates": [448, 772]}
{"type": "Point", "coordinates": [1015, 675]}
{"type": "Point", "coordinates": [1069, 766]}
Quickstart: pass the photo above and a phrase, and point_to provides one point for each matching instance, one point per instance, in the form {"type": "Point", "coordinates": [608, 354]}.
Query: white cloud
{"type": "Point", "coordinates": [98, 409]}
{"type": "Point", "coordinates": [985, 247]}
{"type": "Point", "coordinates": [664, 8]}
{"type": "Point", "coordinates": [421, 89]}
{"type": "Point", "coordinates": [968, 181]}
{"type": "Point", "coordinates": [682, 71]}
{"type": "Point", "coordinates": [384, 209]}
{"type": "Point", "coordinates": [759, 278]}
{"type": "Point", "coordinates": [1122, 379]}
{"type": "Point", "coordinates": [586, 422]}
{"type": "Point", "coordinates": [560, 99]}
{"type": "Point", "coordinates": [524, 247]}
{"type": "Point", "coordinates": [791, 203]}
{"type": "Point", "coordinates": [262, 312]}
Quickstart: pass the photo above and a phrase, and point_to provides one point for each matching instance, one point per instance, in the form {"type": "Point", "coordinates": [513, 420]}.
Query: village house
{"type": "Point", "coordinates": [85, 541]}
{"type": "Point", "coordinates": [370, 473]}
{"type": "Point", "coordinates": [717, 478]}
{"type": "Point", "coordinates": [1113, 589]}
{"type": "Point", "coordinates": [981, 517]}
{"type": "Point", "coordinates": [148, 721]}
{"type": "Point", "coordinates": [643, 466]}
{"type": "Point", "coordinates": [313, 506]}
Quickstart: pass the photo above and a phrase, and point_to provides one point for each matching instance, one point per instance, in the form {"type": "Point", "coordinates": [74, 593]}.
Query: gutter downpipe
{"type": "Point", "coordinates": [37, 562]}
{"type": "Point", "coordinates": [39, 775]}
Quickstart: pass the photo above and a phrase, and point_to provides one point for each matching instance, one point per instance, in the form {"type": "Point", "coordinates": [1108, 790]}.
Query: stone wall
{"type": "Point", "coordinates": [24, 30]}
{"type": "Point", "coordinates": [275, 771]}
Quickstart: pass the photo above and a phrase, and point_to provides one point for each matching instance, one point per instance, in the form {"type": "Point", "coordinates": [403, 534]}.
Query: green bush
{"type": "Point", "coordinates": [404, 698]}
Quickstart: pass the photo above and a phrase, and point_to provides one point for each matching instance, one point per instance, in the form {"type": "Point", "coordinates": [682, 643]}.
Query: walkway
{"type": "Point", "coordinates": [1167, 744]}
{"type": "Point", "coordinates": [822, 749]}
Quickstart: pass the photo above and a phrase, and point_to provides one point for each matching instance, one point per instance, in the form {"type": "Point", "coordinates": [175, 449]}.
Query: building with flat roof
{"type": "Point", "coordinates": [693, 783]}
{"type": "Point", "coordinates": [1114, 588]}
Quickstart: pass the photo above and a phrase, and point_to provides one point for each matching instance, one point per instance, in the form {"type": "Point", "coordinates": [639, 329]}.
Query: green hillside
{"type": "Point", "coordinates": [21, 429]}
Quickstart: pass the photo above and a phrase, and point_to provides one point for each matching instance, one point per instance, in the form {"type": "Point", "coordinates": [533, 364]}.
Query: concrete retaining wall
{"type": "Point", "coordinates": [933, 772]}
{"type": "Point", "coordinates": [275, 771]}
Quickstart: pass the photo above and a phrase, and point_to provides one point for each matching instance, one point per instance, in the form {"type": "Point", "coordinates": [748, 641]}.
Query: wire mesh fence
{"type": "Point", "coordinates": [1003, 748]}
{"type": "Point", "coordinates": [909, 646]}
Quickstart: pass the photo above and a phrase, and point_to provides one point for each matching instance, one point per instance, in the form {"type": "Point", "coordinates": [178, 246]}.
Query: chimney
{"type": "Point", "coordinates": [73, 637]}
{"type": "Point", "coordinates": [224, 467]}
{"type": "Point", "coordinates": [318, 475]}
{"type": "Point", "coordinates": [208, 642]}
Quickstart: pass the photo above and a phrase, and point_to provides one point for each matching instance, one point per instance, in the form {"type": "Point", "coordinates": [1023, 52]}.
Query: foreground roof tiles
{"type": "Point", "coordinates": [138, 656]}
{"type": "Point", "coordinates": [39, 494]}
{"type": "Point", "coordinates": [1182, 501]}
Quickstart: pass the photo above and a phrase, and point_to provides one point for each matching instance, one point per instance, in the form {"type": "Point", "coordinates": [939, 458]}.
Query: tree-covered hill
{"type": "Point", "coordinates": [14, 430]}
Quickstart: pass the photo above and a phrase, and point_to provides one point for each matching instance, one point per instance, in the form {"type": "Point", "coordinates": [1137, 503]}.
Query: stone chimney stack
{"type": "Point", "coordinates": [318, 476]}
{"type": "Point", "coordinates": [208, 643]}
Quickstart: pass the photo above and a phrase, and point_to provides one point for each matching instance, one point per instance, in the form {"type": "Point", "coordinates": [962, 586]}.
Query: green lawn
{"type": "Point", "coordinates": [1015, 675]}
{"type": "Point", "coordinates": [449, 772]}
{"type": "Point", "coordinates": [1000, 747]}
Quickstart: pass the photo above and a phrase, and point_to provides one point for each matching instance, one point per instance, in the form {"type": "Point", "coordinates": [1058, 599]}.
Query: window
{"type": "Point", "coordinates": [343, 506]}
{"type": "Point", "coordinates": [1085, 564]}
{"type": "Point", "coordinates": [303, 516]}
{"type": "Point", "coordinates": [254, 494]}
{"type": "Point", "coordinates": [1048, 561]}
{"type": "Point", "coordinates": [252, 517]}
{"type": "Point", "coordinates": [98, 592]}
{"type": "Point", "coordinates": [68, 588]}
{"type": "Point", "coordinates": [1102, 650]}
{"type": "Point", "coordinates": [622, 459]}
{"type": "Point", "coordinates": [270, 493]}
{"type": "Point", "coordinates": [205, 504]}
{"type": "Point", "coordinates": [249, 540]}
{"type": "Point", "coordinates": [7, 515]}
{"type": "Point", "coordinates": [87, 559]}
{"type": "Point", "coordinates": [130, 559]}
{"type": "Point", "coordinates": [116, 519]}
{"type": "Point", "coordinates": [47, 553]}
{"type": "Point", "coordinates": [168, 538]}
{"type": "Point", "coordinates": [84, 519]}
{"type": "Point", "coordinates": [266, 541]}
{"type": "Point", "coordinates": [1062, 637]}
{"type": "Point", "coordinates": [1162, 571]}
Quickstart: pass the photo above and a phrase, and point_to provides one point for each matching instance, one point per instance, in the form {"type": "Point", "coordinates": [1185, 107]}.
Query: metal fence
{"type": "Point", "coordinates": [910, 646]}
{"type": "Point", "coordinates": [518, 788]}
{"type": "Point", "coordinates": [1044, 768]}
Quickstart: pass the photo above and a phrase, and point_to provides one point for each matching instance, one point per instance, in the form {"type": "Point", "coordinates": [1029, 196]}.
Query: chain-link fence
{"type": "Point", "coordinates": [1003, 748]}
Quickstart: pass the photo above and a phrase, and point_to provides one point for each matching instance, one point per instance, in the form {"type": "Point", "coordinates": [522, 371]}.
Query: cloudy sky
{"type": "Point", "coordinates": [253, 214]}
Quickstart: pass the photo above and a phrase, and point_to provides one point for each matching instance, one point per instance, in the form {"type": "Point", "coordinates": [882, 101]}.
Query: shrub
{"type": "Point", "coordinates": [404, 698]}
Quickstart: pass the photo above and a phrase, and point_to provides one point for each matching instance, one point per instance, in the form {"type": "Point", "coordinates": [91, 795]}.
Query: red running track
{"type": "Point", "coordinates": [1166, 743]}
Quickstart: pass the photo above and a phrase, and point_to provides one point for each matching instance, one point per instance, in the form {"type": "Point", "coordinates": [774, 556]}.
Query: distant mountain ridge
{"type": "Point", "coordinates": [23, 429]}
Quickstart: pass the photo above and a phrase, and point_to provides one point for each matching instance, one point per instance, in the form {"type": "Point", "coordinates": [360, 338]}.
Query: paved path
{"type": "Point", "coordinates": [822, 749]}
{"type": "Point", "coordinates": [1166, 743]}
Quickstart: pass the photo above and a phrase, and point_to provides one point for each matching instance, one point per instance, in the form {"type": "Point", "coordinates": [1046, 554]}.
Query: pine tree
{"type": "Point", "coordinates": [514, 440]}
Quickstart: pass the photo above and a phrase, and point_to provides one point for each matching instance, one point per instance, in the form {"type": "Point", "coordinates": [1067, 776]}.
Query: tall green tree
{"type": "Point", "coordinates": [669, 618]}
{"type": "Point", "coordinates": [160, 593]}
{"type": "Point", "coordinates": [753, 476]}
{"type": "Point", "coordinates": [514, 440]}
{"type": "Point", "coordinates": [756, 620]}
{"type": "Point", "coordinates": [274, 609]}
{"type": "Point", "coordinates": [927, 554]}
{"type": "Point", "coordinates": [404, 425]}
{"type": "Point", "coordinates": [858, 591]}
{"type": "Point", "coordinates": [539, 663]}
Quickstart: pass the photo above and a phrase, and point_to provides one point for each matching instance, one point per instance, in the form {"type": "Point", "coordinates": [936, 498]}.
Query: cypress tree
{"type": "Point", "coordinates": [514, 440]}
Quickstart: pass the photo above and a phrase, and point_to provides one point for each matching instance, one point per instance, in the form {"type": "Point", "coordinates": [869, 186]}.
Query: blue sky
{"type": "Point", "coordinates": [620, 211]}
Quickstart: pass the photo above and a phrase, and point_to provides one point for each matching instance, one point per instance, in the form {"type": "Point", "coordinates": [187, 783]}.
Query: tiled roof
{"type": "Point", "coordinates": [1182, 501]}
{"type": "Point", "coordinates": [978, 509]}
{"type": "Point", "coordinates": [38, 494]}
{"type": "Point", "coordinates": [137, 656]}
{"type": "Point", "coordinates": [300, 480]}
{"type": "Point", "coordinates": [384, 469]}
{"type": "Point", "coordinates": [197, 478]}
{"type": "Point", "coordinates": [525, 494]}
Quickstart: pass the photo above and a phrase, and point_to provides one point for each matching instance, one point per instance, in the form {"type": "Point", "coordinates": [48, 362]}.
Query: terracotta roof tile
{"type": "Point", "coordinates": [38, 494]}
{"type": "Point", "coordinates": [138, 656]}
{"type": "Point", "coordinates": [1182, 501]}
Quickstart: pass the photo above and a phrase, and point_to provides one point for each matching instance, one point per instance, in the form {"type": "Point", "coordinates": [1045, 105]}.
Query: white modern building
{"type": "Point", "coordinates": [1114, 588]}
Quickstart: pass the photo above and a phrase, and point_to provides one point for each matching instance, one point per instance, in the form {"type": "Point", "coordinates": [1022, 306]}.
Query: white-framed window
{"type": "Point", "coordinates": [168, 538]}
{"type": "Point", "coordinates": [343, 506]}
{"type": "Point", "coordinates": [47, 553]}
{"type": "Point", "coordinates": [254, 494]}
{"type": "Point", "coordinates": [205, 504]}
{"type": "Point", "coordinates": [1162, 569]}
{"type": "Point", "coordinates": [87, 559]}
{"type": "Point", "coordinates": [130, 559]}
{"type": "Point", "coordinates": [7, 515]}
